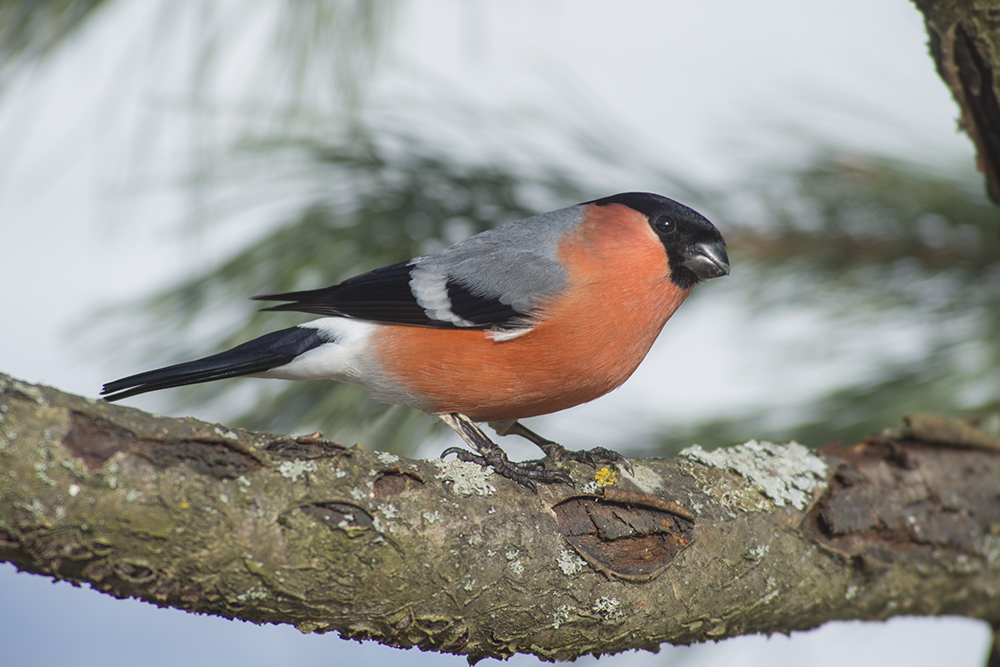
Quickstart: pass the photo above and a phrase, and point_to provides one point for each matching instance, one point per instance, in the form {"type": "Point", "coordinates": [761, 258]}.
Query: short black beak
{"type": "Point", "coordinates": [707, 260]}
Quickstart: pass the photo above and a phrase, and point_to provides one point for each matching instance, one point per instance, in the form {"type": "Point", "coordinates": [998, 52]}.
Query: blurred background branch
{"type": "Point", "coordinates": [31, 31]}
{"type": "Point", "coordinates": [856, 239]}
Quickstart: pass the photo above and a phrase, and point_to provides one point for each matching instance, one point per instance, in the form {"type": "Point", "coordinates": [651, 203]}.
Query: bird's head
{"type": "Point", "coordinates": [694, 247]}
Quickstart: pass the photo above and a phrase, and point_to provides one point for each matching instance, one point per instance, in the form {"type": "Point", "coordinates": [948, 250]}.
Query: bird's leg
{"type": "Point", "coordinates": [490, 455]}
{"type": "Point", "coordinates": [556, 452]}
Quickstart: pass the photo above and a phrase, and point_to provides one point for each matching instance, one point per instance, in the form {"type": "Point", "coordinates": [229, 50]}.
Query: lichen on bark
{"type": "Point", "coordinates": [449, 557]}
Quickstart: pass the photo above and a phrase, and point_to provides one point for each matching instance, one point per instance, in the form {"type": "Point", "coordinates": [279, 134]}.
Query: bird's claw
{"type": "Point", "coordinates": [525, 474]}
{"type": "Point", "coordinates": [598, 454]}
{"type": "Point", "coordinates": [589, 457]}
{"type": "Point", "coordinates": [556, 453]}
{"type": "Point", "coordinates": [465, 455]}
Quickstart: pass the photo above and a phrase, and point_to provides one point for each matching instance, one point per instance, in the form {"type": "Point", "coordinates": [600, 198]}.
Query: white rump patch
{"type": "Point", "coordinates": [346, 358]}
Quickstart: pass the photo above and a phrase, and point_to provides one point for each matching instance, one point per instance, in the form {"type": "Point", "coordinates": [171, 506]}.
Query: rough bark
{"type": "Point", "coordinates": [965, 44]}
{"type": "Point", "coordinates": [448, 557]}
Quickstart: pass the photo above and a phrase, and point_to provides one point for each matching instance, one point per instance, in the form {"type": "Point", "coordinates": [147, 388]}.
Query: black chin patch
{"type": "Point", "coordinates": [681, 276]}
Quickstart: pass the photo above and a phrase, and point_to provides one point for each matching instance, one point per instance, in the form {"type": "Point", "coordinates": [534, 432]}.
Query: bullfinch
{"type": "Point", "coordinates": [524, 319]}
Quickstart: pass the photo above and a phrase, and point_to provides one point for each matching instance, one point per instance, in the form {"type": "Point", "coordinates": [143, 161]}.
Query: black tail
{"type": "Point", "coordinates": [261, 354]}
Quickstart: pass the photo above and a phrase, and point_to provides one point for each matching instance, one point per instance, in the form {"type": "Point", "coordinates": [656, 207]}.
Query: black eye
{"type": "Point", "coordinates": [664, 224]}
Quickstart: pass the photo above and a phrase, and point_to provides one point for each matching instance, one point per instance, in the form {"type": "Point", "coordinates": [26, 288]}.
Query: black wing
{"type": "Point", "coordinates": [385, 295]}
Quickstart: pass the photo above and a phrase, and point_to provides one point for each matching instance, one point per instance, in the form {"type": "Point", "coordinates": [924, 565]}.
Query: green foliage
{"type": "Point", "coordinates": [30, 30]}
{"type": "Point", "coordinates": [845, 211]}
{"type": "Point", "coordinates": [857, 240]}
{"type": "Point", "coordinates": [866, 242]}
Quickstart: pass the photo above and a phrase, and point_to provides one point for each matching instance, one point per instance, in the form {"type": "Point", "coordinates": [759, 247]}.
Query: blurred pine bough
{"type": "Point", "coordinates": [868, 240]}
{"type": "Point", "coordinates": [858, 238]}
{"type": "Point", "coordinates": [392, 198]}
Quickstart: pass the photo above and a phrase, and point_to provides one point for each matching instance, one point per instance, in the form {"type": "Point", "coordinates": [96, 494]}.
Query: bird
{"type": "Point", "coordinates": [527, 318]}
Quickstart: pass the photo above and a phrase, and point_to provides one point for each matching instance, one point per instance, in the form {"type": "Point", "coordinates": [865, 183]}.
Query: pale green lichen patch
{"type": "Point", "coordinates": [516, 566]}
{"type": "Point", "coordinates": [466, 478]}
{"type": "Point", "coordinates": [30, 392]}
{"type": "Point", "coordinates": [647, 479]}
{"type": "Point", "coordinates": [562, 614]}
{"type": "Point", "coordinates": [570, 563]}
{"type": "Point", "coordinates": [730, 491]}
{"type": "Point", "coordinates": [991, 550]}
{"type": "Point", "coordinates": [348, 524]}
{"type": "Point", "coordinates": [294, 469]}
{"type": "Point", "coordinates": [35, 507]}
{"type": "Point", "coordinates": [609, 609]}
{"type": "Point", "coordinates": [785, 473]}
{"type": "Point", "coordinates": [40, 472]}
{"type": "Point", "coordinates": [257, 593]}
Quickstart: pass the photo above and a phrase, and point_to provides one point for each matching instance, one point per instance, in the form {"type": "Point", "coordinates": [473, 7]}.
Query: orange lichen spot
{"type": "Point", "coordinates": [606, 477]}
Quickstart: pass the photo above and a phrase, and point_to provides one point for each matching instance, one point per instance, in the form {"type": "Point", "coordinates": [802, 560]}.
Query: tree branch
{"type": "Point", "coordinates": [965, 46]}
{"type": "Point", "coordinates": [449, 557]}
